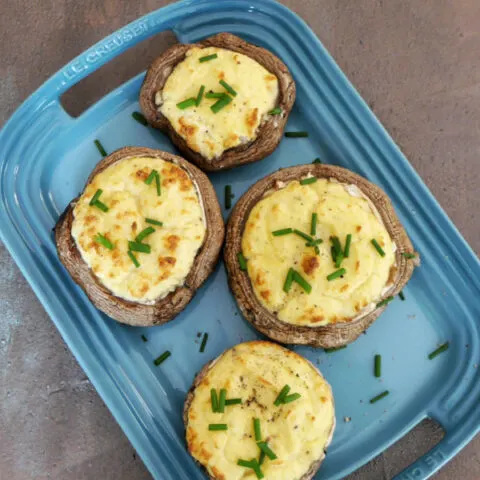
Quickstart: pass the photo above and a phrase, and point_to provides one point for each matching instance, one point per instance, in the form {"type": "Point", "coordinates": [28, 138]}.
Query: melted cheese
{"type": "Point", "coordinates": [130, 201]}
{"type": "Point", "coordinates": [208, 133]}
{"type": "Point", "coordinates": [341, 209]}
{"type": "Point", "coordinates": [298, 432]}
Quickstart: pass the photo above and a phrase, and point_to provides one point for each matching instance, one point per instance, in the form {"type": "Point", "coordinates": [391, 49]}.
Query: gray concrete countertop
{"type": "Point", "coordinates": [416, 63]}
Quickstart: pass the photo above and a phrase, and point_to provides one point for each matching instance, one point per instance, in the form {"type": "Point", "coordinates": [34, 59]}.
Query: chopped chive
{"type": "Point", "coordinates": [144, 338]}
{"type": "Point", "coordinates": [313, 224]}
{"type": "Point", "coordinates": [379, 397]}
{"type": "Point", "coordinates": [408, 255]}
{"type": "Point", "coordinates": [275, 111]}
{"type": "Point", "coordinates": [263, 446]}
{"type": "Point", "coordinates": [101, 206]}
{"type": "Point", "coordinates": [214, 400]}
{"type": "Point", "coordinates": [336, 274]}
{"type": "Point", "coordinates": [348, 241]}
{"type": "Point", "coordinates": [154, 222]}
{"type": "Point", "coordinates": [189, 102]}
{"type": "Point", "coordinates": [336, 245]}
{"type": "Point", "coordinates": [317, 250]}
{"type": "Point", "coordinates": [401, 295]}
{"type": "Point", "coordinates": [233, 401]}
{"type": "Point", "coordinates": [253, 464]}
{"type": "Point", "coordinates": [245, 463]}
{"type": "Point", "coordinates": [140, 118]}
{"type": "Point", "coordinates": [221, 103]}
{"type": "Point", "coordinates": [334, 254]}
{"type": "Point", "coordinates": [242, 261]}
{"type": "Point", "coordinates": [150, 178]}
{"type": "Point", "coordinates": [144, 234]}
{"type": "Point", "coordinates": [439, 350]}
{"type": "Point", "coordinates": [161, 358]}
{"type": "Point", "coordinates": [307, 181]}
{"type": "Point", "coordinates": [317, 160]}
{"type": "Point", "coordinates": [214, 95]}
{"type": "Point", "coordinates": [288, 281]}
{"type": "Point", "coordinates": [158, 184]}
{"type": "Point", "coordinates": [96, 196]}
{"type": "Point", "coordinates": [204, 342]}
{"type": "Point", "coordinates": [200, 95]}
{"type": "Point", "coordinates": [221, 401]}
{"type": "Point", "coordinates": [302, 282]}
{"type": "Point", "coordinates": [262, 457]}
{"type": "Point", "coordinates": [334, 349]}
{"type": "Point", "coordinates": [228, 88]}
{"type": "Point", "coordinates": [133, 259]}
{"type": "Point", "coordinates": [384, 302]}
{"type": "Point", "coordinates": [228, 196]}
{"type": "Point", "coordinates": [256, 429]}
{"type": "Point", "coordinates": [283, 392]}
{"type": "Point", "coordinates": [296, 134]}
{"type": "Point", "coordinates": [216, 427]}
{"type": "Point", "coordinates": [318, 241]}
{"type": "Point", "coordinates": [291, 398]}
{"type": "Point", "coordinates": [139, 247]}
{"type": "Point", "coordinates": [100, 148]}
{"type": "Point", "coordinates": [103, 240]}
{"type": "Point", "coordinates": [378, 366]}
{"type": "Point", "coordinates": [308, 238]}
{"type": "Point", "coordinates": [206, 58]}
{"type": "Point", "coordinates": [338, 259]}
{"type": "Point", "coordinates": [283, 231]}
{"type": "Point", "coordinates": [378, 248]}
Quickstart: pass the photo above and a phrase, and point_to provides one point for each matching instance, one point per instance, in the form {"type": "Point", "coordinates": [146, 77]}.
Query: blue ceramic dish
{"type": "Point", "coordinates": [46, 156]}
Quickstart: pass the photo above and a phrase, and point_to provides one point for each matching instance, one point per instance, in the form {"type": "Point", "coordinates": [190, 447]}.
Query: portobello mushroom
{"type": "Point", "coordinates": [297, 281]}
{"type": "Point", "coordinates": [240, 114]}
{"type": "Point", "coordinates": [143, 236]}
{"type": "Point", "coordinates": [292, 403]}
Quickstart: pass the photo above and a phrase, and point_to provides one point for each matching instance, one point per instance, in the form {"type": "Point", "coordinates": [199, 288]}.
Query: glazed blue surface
{"type": "Point", "coordinates": [46, 156]}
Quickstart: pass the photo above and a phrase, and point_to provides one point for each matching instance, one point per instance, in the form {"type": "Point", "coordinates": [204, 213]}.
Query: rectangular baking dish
{"type": "Point", "coordinates": [46, 156]}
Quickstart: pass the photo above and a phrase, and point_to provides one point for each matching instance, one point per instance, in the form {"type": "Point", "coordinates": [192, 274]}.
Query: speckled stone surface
{"type": "Point", "coordinates": [417, 64]}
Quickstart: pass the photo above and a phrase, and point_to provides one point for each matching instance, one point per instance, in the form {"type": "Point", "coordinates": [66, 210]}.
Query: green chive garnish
{"type": "Point", "coordinates": [317, 250]}
{"type": "Point", "coordinates": [144, 234]}
{"type": "Point", "coordinates": [189, 102]}
{"type": "Point", "coordinates": [401, 295]}
{"type": "Point", "coordinates": [348, 241]}
{"type": "Point", "coordinates": [288, 281]}
{"type": "Point", "coordinates": [253, 464]}
{"type": "Point", "coordinates": [139, 247]}
{"type": "Point", "coordinates": [228, 196]}
{"type": "Point", "coordinates": [408, 255]}
{"type": "Point", "coordinates": [154, 222]}
{"type": "Point", "coordinates": [283, 392]}
{"type": "Point", "coordinates": [268, 451]}
{"type": "Point", "coordinates": [95, 201]}
{"type": "Point", "coordinates": [336, 245]}
{"type": "Point", "coordinates": [334, 349]}
{"type": "Point", "coordinates": [379, 397]}
{"type": "Point", "coordinates": [313, 224]}
{"type": "Point", "coordinates": [204, 342]}
{"type": "Point", "coordinates": [318, 241]}
{"type": "Point", "coordinates": [151, 177]}
{"type": "Point", "coordinates": [378, 366]}
{"type": "Point", "coordinates": [133, 259]}
{"type": "Point", "coordinates": [200, 95]}
{"type": "Point", "coordinates": [439, 350]}
{"type": "Point", "coordinates": [228, 88]}
{"type": "Point", "coordinates": [144, 338]}
{"type": "Point", "coordinates": [307, 181]}
{"type": "Point", "coordinates": [378, 248]}
{"type": "Point", "coordinates": [338, 259]}
{"type": "Point", "coordinates": [317, 160]}
{"type": "Point", "coordinates": [214, 400]}
{"type": "Point", "coordinates": [275, 111]}
{"type": "Point", "coordinates": [158, 184]}
{"type": "Point", "coordinates": [221, 401]}
{"type": "Point", "coordinates": [245, 463]}
{"type": "Point", "coordinates": [336, 274]}
{"type": "Point", "coordinates": [140, 118]}
{"type": "Point", "coordinates": [291, 398]}
{"type": "Point", "coordinates": [207, 58]}
{"type": "Point", "coordinates": [301, 281]}
{"type": "Point", "coordinates": [214, 95]}
{"type": "Point", "coordinates": [96, 196]}
{"type": "Point", "coordinates": [283, 231]}
{"type": "Point", "coordinates": [103, 240]}
{"type": "Point", "coordinates": [262, 457]}
{"type": "Point", "coordinates": [296, 134]}
{"type": "Point", "coordinates": [384, 302]}
{"type": "Point", "coordinates": [233, 401]}
{"type": "Point", "coordinates": [100, 148]}
{"type": "Point", "coordinates": [101, 206]}
{"type": "Point", "coordinates": [242, 261]}
{"type": "Point", "coordinates": [256, 429]}
{"type": "Point", "coordinates": [161, 358]}
{"type": "Point", "coordinates": [216, 427]}
{"type": "Point", "coordinates": [306, 237]}
{"type": "Point", "coordinates": [221, 103]}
